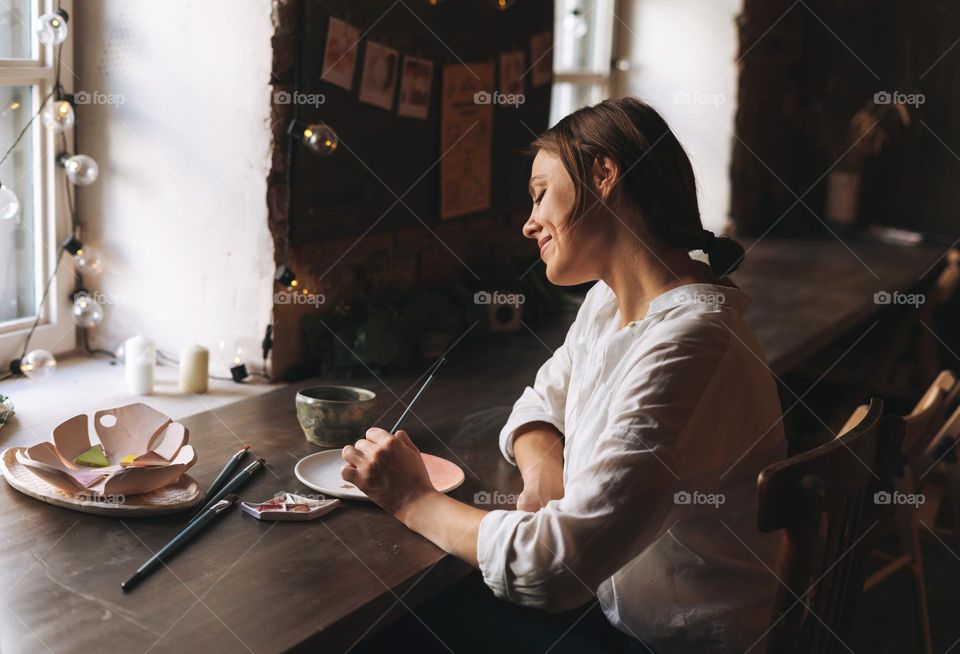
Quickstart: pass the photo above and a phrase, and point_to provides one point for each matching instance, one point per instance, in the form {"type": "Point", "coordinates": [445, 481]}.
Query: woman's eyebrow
{"type": "Point", "coordinates": [530, 185]}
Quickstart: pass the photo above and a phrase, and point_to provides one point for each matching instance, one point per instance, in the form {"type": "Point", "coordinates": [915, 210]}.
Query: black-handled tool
{"type": "Point", "coordinates": [234, 484]}
{"type": "Point", "coordinates": [221, 479]}
{"type": "Point", "coordinates": [178, 541]}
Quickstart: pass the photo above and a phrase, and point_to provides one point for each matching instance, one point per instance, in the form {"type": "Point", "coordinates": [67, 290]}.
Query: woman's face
{"type": "Point", "coordinates": [572, 252]}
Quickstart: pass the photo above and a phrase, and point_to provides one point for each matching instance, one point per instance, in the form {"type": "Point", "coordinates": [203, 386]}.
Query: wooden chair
{"type": "Point", "coordinates": [922, 429]}
{"type": "Point", "coordinates": [826, 501]}
{"type": "Point", "coordinates": [938, 475]}
{"type": "Point", "coordinates": [913, 334]}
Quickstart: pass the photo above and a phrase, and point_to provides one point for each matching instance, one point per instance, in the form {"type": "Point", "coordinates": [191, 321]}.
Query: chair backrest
{"type": "Point", "coordinates": [949, 279]}
{"type": "Point", "coordinates": [928, 416]}
{"type": "Point", "coordinates": [926, 420]}
{"type": "Point", "coordinates": [828, 501]}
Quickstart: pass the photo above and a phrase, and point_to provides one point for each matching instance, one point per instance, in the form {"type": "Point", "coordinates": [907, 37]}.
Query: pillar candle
{"type": "Point", "coordinates": [194, 369]}
{"type": "Point", "coordinates": [141, 360]}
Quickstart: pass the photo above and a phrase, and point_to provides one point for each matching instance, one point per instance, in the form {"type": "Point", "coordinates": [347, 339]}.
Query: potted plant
{"type": "Point", "coordinates": [881, 121]}
{"type": "Point", "coordinates": [6, 409]}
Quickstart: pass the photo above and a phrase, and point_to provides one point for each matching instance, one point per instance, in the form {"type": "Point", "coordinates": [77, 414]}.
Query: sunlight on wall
{"type": "Point", "coordinates": [179, 213]}
{"type": "Point", "coordinates": [683, 56]}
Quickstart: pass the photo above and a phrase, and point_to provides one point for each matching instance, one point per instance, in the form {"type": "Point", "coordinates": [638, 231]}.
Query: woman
{"type": "Point", "coordinates": [640, 441]}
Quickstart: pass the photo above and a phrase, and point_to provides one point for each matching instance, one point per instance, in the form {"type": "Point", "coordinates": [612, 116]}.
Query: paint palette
{"type": "Point", "coordinates": [321, 472]}
{"type": "Point", "coordinates": [288, 506]}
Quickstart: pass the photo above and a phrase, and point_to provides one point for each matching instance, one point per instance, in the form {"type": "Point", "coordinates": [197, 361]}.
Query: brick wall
{"type": "Point", "coordinates": [431, 254]}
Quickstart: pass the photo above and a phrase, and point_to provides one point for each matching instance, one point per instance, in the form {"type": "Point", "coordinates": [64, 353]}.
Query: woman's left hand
{"type": "Point", "coordinates": [388, 468]}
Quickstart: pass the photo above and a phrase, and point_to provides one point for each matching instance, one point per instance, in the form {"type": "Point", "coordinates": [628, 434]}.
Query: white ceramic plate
{"type": "Point", "coordinates": [321, 472]}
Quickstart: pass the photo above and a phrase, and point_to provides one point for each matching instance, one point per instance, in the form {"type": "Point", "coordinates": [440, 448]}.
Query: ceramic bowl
{"type": "Point", "coordinates": [334, 416]}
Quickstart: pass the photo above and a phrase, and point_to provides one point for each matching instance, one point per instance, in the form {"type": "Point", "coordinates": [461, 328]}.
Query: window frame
{"type": "Point", "coordinates": [605, 75]}
{"type": "Point", "coordinates": [55, 331]}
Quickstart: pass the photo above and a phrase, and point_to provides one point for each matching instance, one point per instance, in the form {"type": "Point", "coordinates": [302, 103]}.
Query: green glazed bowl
{"type": "Point", "coordinates": [334, 416]}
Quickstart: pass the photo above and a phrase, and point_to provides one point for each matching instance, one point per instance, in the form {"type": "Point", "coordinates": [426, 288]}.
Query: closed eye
{"type": "Point", "coordinates": [539, 197]}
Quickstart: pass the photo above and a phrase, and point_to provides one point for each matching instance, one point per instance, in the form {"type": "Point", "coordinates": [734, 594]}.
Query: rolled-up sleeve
{"type": "Point", "coordinates": [546, 400]}
{"type": "Point", "coordinates": [613, 508]}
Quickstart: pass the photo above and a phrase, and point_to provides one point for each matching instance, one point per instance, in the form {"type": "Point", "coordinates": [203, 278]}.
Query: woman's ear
{"type": "Point", "coordinates": [605, 174]}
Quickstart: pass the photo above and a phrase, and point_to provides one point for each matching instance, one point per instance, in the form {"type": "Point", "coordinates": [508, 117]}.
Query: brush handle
{"type": "Point", "coordinates": [419, 393]}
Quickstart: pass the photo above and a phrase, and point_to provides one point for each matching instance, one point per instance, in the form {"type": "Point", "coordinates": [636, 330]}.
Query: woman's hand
{"type": "Point", "coordinates": [538, 449]}
{"type": "Point", "coordinates": [388, 468]}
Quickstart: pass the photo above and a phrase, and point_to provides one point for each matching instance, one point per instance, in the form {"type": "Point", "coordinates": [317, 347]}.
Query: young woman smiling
{"type": "Point", "coordinates": [640, 441]}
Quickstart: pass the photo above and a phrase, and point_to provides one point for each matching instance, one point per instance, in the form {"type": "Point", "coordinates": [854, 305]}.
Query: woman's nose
{"type": "Point", "coordinates": [530, 228]}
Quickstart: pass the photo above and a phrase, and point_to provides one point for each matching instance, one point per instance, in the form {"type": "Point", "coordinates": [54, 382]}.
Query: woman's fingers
{"type": "Point", "coordinates": [350, 473]}
{"type": "Point", "coordinates": [366, 447]}
{"type": "Point", "coordinates": [405, 438]}
{"type": "Point", "coordinates": [378, 435]}
{"type": "Point", "coordinates": [351, 455]}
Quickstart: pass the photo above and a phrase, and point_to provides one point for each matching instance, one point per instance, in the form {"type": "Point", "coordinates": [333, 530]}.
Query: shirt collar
{"type": "Point", "coordinates": [708, 296]}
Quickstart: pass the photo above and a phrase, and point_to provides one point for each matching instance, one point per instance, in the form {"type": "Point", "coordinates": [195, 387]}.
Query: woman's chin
{"type": "Point", "coordinates": [557, 276]}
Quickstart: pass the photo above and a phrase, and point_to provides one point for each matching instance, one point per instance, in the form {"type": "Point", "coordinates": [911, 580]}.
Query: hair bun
{"type": "Point", "coordinates": [725, 255]}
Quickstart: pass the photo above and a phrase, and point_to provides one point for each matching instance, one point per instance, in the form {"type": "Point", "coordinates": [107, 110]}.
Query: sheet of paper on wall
{"type": "Point", "coordinates": [512, 67]}
{"type": "Point", "coordinates": [466, 129]}
{"type": "Point", "coordinates": [379, 83]}
{"type": "Point", "coordinates": [415, 85]}
{"type": "Point", "coordinates": [340, 53]}
{"type": "Point", "coordinates": [541, 59]}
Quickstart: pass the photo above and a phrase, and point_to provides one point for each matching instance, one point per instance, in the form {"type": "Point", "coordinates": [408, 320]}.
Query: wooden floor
{"type": "Point", "coordinates": [884, 623]}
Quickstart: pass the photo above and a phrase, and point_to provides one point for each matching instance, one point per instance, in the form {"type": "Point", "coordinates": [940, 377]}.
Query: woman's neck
{"type": "Point", "coordinates": [637, 274]}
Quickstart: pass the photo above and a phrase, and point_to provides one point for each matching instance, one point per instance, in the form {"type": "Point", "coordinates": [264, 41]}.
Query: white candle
{"type": "Point", "coordinates": [194, 369]}
{"type": "Point", "coordinates": [141, 359]}
{"type": "Point", "coordinates": [140, 378]}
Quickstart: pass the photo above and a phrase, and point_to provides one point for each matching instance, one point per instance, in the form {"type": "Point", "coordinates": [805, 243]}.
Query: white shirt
{"type": "Point", "coordinates": [677, 406]}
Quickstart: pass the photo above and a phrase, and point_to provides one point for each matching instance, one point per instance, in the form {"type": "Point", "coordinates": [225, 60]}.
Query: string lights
{"type": "Point", "coordinates": [57, 114]}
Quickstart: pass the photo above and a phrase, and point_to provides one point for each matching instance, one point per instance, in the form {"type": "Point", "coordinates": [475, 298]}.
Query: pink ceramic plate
{"type": "Point", "coordinates": [321, 472]}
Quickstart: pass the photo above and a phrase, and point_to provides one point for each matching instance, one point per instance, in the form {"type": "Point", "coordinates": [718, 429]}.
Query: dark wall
{"type": "Point", "coordinates": [320, 221]}
{"type": "Point", "coordinates": [806, 69]}
{"type": "Point", "coordinates": [384, 156]}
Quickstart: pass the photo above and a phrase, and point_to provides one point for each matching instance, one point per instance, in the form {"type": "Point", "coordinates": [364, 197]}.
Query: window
{"type": "Point", "coordinates": [29, 243]}
{"type": "Point", "coordinates": [582, 54]}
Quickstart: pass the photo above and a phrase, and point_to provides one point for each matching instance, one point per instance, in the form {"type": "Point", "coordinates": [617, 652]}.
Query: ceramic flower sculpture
{"type": "Point", "coordinates": [140, 450]}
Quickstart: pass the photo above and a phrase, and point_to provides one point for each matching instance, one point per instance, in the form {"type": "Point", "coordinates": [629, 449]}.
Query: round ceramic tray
{"type": "Point", "coordinates": [321, 472]}
{"type": "Point", "coordinates": [178, 496]}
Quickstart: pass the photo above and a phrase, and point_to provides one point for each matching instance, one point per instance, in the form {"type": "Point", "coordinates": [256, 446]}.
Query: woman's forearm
{"type": "Point", "coordinates": [451, 525]}
{"type": "Point", "coordinates": [537, 447]}
{"type": "Point", "coordinates": [538, 450]}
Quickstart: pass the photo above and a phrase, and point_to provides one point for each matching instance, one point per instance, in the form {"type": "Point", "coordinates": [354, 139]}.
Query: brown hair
{"type": "Point", "coordinates": [656, 175]}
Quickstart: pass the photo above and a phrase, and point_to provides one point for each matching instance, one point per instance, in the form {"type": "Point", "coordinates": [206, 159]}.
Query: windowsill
{"type": "Point", "coordinates": [86, 385]}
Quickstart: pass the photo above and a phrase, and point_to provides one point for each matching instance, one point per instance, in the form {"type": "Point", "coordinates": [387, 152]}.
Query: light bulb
{"type": "Point", "coordinates": [231, 355]}
{"type": "Point", "coordinates": [52, 29]}
{"type": "Point", "coordinates": [575, 24]}
{"type": "Point", "coordinates": [59, 116]}
{"type": "Point", "coordinates": [14, 105]}
{"type": "Point", "coordinates": [503, 5]}
{"type": "Point", "coordinates": [81, 169]}
{"type": "Point", "coordinates": [9, 204]}
{"type": "Point", "coordinates": [285, 277]}
{"type": "Point", "coordinates": [88, 261]}
{"type": "Point", "coordinates": [38, 364]}
{"type": "Point", "coordinates": [87, 312]}
{"type": "Point", "coordinates": [230, 352]}
{"type": "Point", "coordinates": [320, 139]}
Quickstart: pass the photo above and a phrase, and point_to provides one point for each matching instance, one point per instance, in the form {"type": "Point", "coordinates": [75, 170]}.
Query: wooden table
{"type": "Point", "coordinates": [270, 587]}
{"type": "Point", "coordinates": [806, 293]}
